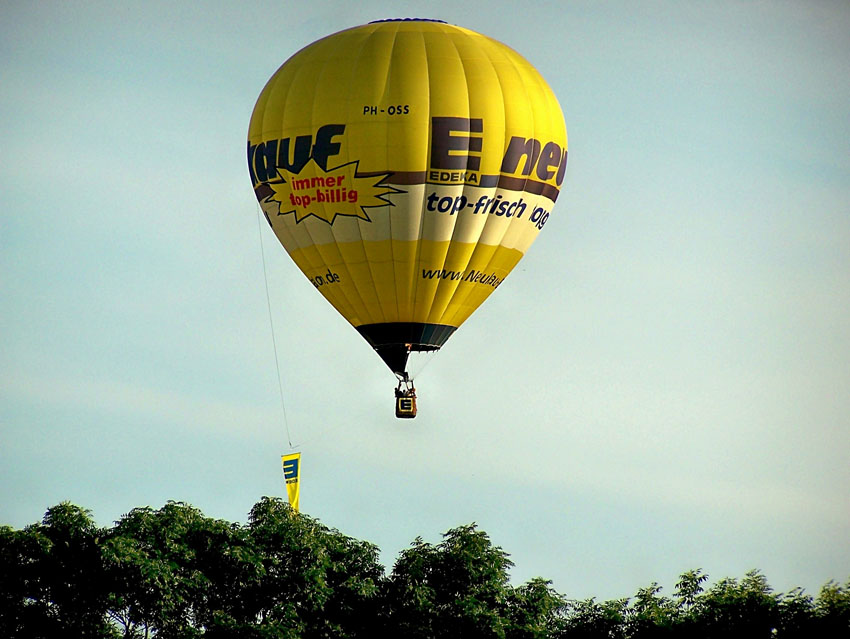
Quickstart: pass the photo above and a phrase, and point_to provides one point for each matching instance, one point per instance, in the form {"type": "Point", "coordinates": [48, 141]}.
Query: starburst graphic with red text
{"type": "Point", "coordinates": [328, 194]}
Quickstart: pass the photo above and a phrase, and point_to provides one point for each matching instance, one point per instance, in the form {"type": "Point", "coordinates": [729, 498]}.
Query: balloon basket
{"type": "Point", "coordinates": [405, 399]}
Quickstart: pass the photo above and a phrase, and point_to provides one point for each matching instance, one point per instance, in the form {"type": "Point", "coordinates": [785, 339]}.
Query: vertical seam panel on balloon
{"type": "Point", "coordinates": [386, 167]}
{"type": "Point", "coordinates": [390, 222]}
{"type": "Point", "coordinates": [279, 127]}
{"type": "Point", "coordinates": [291, 96]}
{"type": "Point", "coordinates": [500, 49]}
{"type": "Point", "coordinates": [449, 283]}
{"type": "Point", "coordinates": [307, 221]}
{"type": "Point", "coordinates": [362, 304]}
{"type": "Point", "coordinates": [262, 111]}
{"type": "Point", "coordinates": [443, 282]}
{"type": "Point", "coordinates": [528, 101]}
{"type": "Point", "coordinates": [470, 288]}
{"type": "Point", "coordinates": [368, 318]}
{"type": "Point", "coordinates": [414, 279]}
{"type": "Point", "coordinates": [370, 30]}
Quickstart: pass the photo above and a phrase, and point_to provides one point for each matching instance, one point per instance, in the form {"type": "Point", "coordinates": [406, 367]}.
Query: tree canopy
{"type": "Point", "coordinates": [174, 572]}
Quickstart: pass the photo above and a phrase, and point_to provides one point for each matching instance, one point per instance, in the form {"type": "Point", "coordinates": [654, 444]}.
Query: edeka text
{"type": "Point", "coordinates": [486, 205]}
{"type": "Point", "coordinates": [457, 143]}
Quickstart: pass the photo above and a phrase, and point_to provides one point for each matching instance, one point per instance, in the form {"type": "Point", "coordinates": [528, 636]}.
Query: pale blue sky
{"type": "Point", "coordinates": [662, 384]}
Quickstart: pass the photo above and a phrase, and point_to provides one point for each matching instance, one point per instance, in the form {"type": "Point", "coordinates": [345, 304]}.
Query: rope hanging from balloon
{"type": "Point", "coordinates": [271, 325]}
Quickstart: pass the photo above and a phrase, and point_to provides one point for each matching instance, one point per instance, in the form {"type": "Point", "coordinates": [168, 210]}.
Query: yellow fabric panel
{"type": "Point", "coordinates": [462, 306]}
{"type": "Point", "coordinates": [351, 252]}
{"type": "Point", "coordinates": [404, 268]}
{"type": "Point", "coordinates": [479, 63]}
{"type": "Point", "coordinates": [479, 262]}
{"type": "Point", "coordinates": [383, 276]}
{"type": "Point", "coordinates": [361, 277]}
{"type": "Point", "coordinates": [445, 77]}
{"type": "Point", "coordinates": [434, 282]}
{"type": "Point", "coordinates": [457, 260]}
{"type": "Point", "coordinates": [409, 134]}
{"type": "Point", "coordinates": [345, 299]}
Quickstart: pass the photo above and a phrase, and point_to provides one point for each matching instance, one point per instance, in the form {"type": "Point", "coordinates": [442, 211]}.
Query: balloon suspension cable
{"type": "Point", "coordinates": [405, 386]}
{"type": "Point", "coordinates": [426, 358]}
{"type": "Point", "coordinates": [271, 325]}
{"type": "Point", "coordinates": [405, 381]}
{"type": "Point", "coordinates": [405, 396]}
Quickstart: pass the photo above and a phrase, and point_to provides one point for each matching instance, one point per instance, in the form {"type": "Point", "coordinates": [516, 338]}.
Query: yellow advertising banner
{"type": "Point", "coordinates": [292, 475]}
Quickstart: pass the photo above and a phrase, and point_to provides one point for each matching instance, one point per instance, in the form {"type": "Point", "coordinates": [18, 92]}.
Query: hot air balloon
{"type": "Point", "coordinates": [406, 166]}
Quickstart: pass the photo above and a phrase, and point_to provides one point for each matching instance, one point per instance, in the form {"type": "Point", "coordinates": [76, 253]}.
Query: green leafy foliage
{"type": "Point", "coordinates": [55, 584]}
{"type": "Point", "coordinates": [173, 572]}
{"type": "Point", "coordinates": [457, 588]}
{"type": "Point", "coordinates": [535, 610]}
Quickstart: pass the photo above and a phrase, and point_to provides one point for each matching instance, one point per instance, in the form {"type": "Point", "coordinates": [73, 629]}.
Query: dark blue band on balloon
{"type": "Point", "coordinates": [408, 20]}
{"type": "Point", "coordinates": [394, 341]}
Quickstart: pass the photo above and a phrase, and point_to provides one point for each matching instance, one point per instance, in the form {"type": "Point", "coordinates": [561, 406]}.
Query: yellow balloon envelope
{"type": "Point", "coordinates": [406, 166]}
